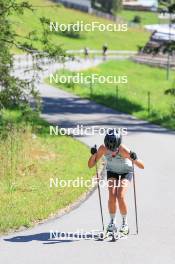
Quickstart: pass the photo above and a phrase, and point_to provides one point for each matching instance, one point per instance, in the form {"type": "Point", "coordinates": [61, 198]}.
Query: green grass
{"type": "Point", "coordinates": [133, 96]}
{"type": "Point", "coordinates": [94, 40]}
{"type": "Point", "coordinates": [147, 18]}
{"type": "Point", "coordinates": [29, 157]}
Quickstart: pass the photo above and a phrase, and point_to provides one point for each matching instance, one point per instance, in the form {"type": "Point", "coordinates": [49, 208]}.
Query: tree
{"type": "Point", "coordinates": [116, 6]}
{"type": "Point", "coordinates": [110, 6]}
{"type": "Point", "coordinates": [16, 92]}
{"type": "Point", "coordinates": [164, 2]}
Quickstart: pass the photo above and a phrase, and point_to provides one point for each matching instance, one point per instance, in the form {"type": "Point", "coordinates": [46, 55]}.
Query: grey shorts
{"type": "Point", "coordinates": [128, 176]}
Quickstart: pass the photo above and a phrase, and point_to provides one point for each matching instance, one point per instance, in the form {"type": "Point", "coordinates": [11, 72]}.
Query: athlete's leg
{"type": "Point", "coordinates": [112, 196]}
{"type": "Point", "coordinates": [121, 192]}
{"type": "Point", "coordinates": [112, 206]}
{"type": "Point", "coordinates": [123, 206]}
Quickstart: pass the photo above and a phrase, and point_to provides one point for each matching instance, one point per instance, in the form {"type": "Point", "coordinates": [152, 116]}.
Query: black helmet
{"type": "Point", "coordinates": [112, 140]}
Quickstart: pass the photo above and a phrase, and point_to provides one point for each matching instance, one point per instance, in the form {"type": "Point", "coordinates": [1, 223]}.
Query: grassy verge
{"type": "Point", "coordinates": [147, 18]}
{"type": "Point", "coordinates": [94, 40]}
{"type": "Point", "coordinates": [133, 96]}
{"type": "Point", "coordinates": [29, 157]}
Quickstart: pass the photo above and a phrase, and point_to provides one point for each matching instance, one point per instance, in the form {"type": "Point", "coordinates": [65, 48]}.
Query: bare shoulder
{"type": "Point", "coordinates": [102, 149]}
{"type": "Point", "coordinates": [124, 150]}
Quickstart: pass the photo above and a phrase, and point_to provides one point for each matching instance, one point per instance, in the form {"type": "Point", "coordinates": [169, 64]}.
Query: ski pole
{"type": "Point", "coordinates": [135, 200]}
{"type": "Point", "coordinates": [99, 194]}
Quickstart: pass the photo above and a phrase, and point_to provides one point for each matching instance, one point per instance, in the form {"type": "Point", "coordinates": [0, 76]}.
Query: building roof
{"type": "Point", "coordinates": [78, 2]}
{"type": "Point", "coordinates": [145, 3]}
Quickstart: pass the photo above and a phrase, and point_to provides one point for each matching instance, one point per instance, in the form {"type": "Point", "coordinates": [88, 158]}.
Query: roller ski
{"type": "Point", "coordinates": [112, 232]}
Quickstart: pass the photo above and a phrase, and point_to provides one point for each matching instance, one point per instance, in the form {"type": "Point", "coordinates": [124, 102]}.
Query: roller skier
{"type": "Point", "coordinates": [119, 165]}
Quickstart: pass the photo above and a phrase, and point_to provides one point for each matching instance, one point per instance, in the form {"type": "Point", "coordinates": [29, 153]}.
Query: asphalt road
{"type": "Point", "coordinates": [155, 195]}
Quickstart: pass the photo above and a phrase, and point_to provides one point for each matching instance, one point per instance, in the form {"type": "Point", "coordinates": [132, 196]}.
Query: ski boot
{"type": "Point", "coordinates": [124, 230]}
{"type": "Point", "coordinates": [112, 232]}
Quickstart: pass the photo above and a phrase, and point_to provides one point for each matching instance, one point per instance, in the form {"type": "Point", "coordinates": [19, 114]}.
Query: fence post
{"type": "Point", "coordinates": [91, 89]}
{"type": "Point", "coordinates": [149, 102]}
{"type": "Point", "coordinates": [116, 95]}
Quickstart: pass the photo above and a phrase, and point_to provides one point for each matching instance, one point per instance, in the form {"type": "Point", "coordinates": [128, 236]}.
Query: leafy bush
{"type": "Point", "coordinates": [172, 110]}
{"type": "Point", "coordinates": [137, 19]}
{"type": "Point", "coordinates": [72, 32]}
{"type": "Point", "coordinates": [170, 91]}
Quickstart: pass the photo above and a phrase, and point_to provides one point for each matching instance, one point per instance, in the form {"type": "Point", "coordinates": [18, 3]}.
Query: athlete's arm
{"type": "Point", "coordinates": [96, 157]}
{"type": "Point", "coordinates": [126, 153]}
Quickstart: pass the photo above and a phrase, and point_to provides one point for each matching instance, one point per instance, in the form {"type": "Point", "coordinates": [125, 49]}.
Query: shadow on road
{"type": "Point", "coordinates": [59, 237]}
{"type": "Point", "coordinates": [71, 111]}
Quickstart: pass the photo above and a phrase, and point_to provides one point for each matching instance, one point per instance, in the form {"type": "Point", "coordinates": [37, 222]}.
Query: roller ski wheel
{"type": "Point", "coordinates": [112, 236]}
